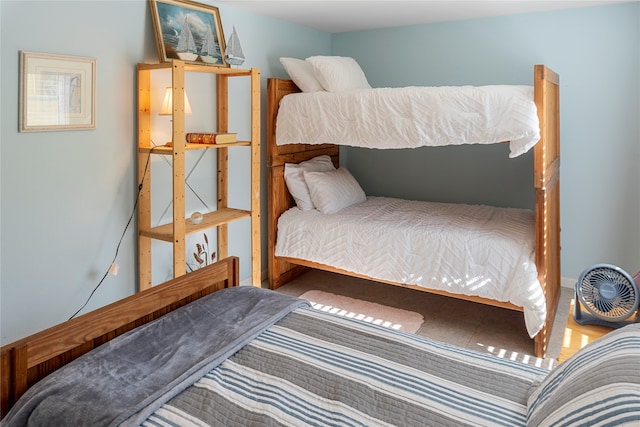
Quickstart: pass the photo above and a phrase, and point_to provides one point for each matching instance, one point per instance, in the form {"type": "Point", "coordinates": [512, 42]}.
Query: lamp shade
{"type": "Point", "coordinates": [167, 103]}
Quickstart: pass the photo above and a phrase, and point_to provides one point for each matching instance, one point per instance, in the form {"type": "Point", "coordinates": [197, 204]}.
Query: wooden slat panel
{"type": "Point", "coordinates": [14, 374]}
{"type": "Point", "coordinates": [144, 176]}
{"type": "Point", "coordinates": [276, 90]}
{"type": "Point", "coordinates": [178, 169]}
{"type": "Point", "coordinates": [279, 201]}
{"type": "Point", "coordinates": [291, 153]}
{"type": "Point", "coordinates": [256, 235]}
{"type": "Point", "coordinates": [6, 387]}
{"type": "Point", "coordinates": [222, 83]}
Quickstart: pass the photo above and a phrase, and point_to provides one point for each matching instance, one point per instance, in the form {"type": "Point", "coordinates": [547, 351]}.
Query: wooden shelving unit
{"type": "Point", "coordinates": [176, 231]}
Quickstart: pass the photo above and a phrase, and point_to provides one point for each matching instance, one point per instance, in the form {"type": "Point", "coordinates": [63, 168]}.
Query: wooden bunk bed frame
{"type": "Point", "coordinates": [546, 171]}
{"type": "Point", "coordinates": [25, 362]}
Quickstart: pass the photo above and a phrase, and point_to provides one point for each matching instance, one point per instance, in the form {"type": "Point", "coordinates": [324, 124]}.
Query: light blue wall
{"type": "Point", "coordinates": [66, 196]}
{"type": "Point", "coordinates": [596, 52]}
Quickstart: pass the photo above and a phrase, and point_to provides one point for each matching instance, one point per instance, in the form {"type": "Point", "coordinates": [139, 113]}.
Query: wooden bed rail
{"type": "Point", "coordinates": [26, 361]}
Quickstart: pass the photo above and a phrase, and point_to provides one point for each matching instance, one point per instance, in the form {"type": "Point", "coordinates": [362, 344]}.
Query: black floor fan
{"type": "Point", "coordinates": [610, 296]}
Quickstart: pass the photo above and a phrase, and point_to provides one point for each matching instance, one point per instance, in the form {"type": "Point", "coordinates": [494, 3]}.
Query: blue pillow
{"type": "Point", "coordinates": [599, 385]}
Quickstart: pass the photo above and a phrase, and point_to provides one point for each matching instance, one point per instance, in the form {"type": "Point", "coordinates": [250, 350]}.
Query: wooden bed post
{"type": "Point", "coordinates": [279, 200]}
{"type": "Point", "coordinates": [546, 169]}
{"type": "Point", "coordinates": [14, 372]}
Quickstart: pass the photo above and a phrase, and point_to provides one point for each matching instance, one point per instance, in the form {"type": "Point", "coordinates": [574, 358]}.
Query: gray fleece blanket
{"type": "Point", "coordinates": [123, 381]}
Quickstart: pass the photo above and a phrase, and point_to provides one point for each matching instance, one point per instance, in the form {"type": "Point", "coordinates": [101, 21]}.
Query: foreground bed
{"type": "Point", "coordinates": [250, 356]}
{"type": "Point", "coordinates": [25, 362]}
{"type": "Point", "coordinates": [545, 235]}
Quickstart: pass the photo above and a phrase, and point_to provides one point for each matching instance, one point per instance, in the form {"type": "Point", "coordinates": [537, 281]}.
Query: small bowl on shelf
{"type": "Point", "coordinates": [196, 218]}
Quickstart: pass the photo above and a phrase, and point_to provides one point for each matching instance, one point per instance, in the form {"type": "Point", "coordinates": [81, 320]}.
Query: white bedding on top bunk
{"type": "Point", "coordinates": [412, 117]}
{"type": "Point", "coordinates": [464, 249]}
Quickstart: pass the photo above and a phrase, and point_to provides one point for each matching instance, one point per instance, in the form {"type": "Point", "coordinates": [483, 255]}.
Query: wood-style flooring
{"type": "Point", "coordinates": [577, 336]}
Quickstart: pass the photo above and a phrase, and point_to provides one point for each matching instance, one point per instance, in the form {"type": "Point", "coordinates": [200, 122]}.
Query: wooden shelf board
{"type": "Point", "coordinates": [163, 149]}
{"type": "Point", "coordinates": [198, 68]}
{"type": "Point", "coordinates": [209, 220]}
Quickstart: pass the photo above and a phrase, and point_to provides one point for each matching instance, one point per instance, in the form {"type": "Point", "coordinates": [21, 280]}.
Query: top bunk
{"type": "Point", "coordinates": [341, 108]}
{"type": "Point", "coordinates": [411, 117]}
{"type": "Point", "coordinates": [305, 120]}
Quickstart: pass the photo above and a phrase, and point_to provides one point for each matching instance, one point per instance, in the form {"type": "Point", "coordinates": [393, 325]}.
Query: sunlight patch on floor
{"type": "Point", "coordinates": [576, 336]}
{"type": "Point", "coordinates": [352, 315]}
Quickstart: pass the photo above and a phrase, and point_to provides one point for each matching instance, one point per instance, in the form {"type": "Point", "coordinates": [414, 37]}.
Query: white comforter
{"type": "Point", "coordinates": [412, 117]}
{"type": "Point", "coordinates": [464, 249]}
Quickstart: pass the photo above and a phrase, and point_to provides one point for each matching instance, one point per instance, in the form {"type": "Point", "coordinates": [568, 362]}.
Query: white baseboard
{"type": "Point", "coordinates": [566, 282]}
{"type": "Point", "coordinates": [247, 281]}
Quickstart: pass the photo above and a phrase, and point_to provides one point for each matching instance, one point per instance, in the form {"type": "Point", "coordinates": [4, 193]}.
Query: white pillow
{"type": "Point", "coordinates": [338, 73]}
{"type": "Point", "coordinates": [293, 176]}
{"type": "Point", "coordinates": [334, 190]}
{"type": "Point", "coordinates": [302, 75]}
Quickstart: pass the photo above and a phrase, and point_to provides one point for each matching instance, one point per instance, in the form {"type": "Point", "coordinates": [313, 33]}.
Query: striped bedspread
{"type": "Point", "coordinates": [312, 368]}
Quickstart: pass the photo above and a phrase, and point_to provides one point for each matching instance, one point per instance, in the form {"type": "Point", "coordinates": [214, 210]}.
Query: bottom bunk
{"type": "Point", "coordinates": [475, 250]}
{"type": "Point", "coordinates": [545, 233]}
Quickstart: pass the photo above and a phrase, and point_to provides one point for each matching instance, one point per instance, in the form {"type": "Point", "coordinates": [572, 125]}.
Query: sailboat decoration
{"type": "Point", "coordinates": [233, 53]}
{"type": "Point", "coordinates": [186, 49]}
{"type": "Point", "coordinates": [208, 51]}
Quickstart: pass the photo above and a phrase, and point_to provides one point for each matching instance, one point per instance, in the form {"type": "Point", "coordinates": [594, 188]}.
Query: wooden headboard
{"type": "Point", "coordinates": [26, 361]}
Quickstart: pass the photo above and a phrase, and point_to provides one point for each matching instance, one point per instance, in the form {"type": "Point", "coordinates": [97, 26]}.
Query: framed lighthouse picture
{"type": "Point", "coordinates": [188, 31]}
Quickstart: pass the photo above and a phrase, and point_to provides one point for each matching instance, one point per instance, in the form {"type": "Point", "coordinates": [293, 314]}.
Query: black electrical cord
{"type": "Point", "coordinates": [135, 206]}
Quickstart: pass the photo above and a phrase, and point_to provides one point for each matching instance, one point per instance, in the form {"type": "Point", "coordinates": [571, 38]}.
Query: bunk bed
{"type": "Point", "coordinates": [201, 350]}
{"type": "Point", "coordinates": [546, 214]}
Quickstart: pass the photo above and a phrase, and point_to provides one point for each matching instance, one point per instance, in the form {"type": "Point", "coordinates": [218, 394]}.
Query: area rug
{"type": "Point", "coordinates": [390, 317]}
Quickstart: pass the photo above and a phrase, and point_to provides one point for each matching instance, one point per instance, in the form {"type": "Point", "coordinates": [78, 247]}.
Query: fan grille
{"type": "Point", "coordinates": [608, 293]}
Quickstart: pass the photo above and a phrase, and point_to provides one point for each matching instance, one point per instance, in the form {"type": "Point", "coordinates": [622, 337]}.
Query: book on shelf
{"type": "Point", "coordinates": [211, 138]}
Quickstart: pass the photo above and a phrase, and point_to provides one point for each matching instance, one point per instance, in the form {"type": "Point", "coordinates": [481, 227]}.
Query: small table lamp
{"type": "Point", "coordinates": [167, 103]}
